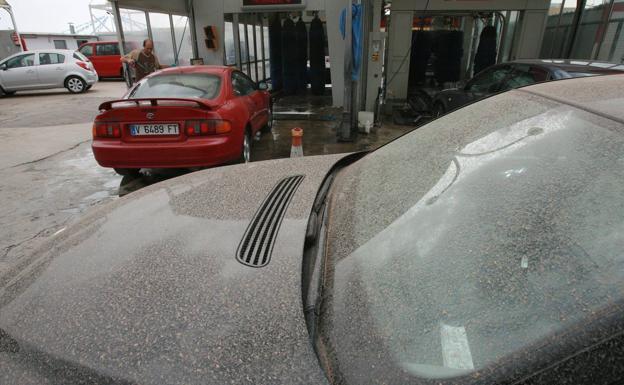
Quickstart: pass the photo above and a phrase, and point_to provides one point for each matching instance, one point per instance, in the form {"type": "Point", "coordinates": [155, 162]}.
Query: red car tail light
{"type": "Point", "coordinates": [83, 65]}
{"type": "Point", "coordinates": [106, 130]}
{"type": "Point", "coordinates": [207, 127]}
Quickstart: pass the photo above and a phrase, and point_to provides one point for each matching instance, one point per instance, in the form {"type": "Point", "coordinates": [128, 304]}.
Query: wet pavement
{"type": "Point", "coordinates": [42, 198]}
{"type": "Point", "coordinates": [320, 138]}
{"type": "Point", "coordinates": [49, 180]}
{"type": "Point", "coordinates": [48, 176]}
{"type": "Point", "coordinates": [320, 123]}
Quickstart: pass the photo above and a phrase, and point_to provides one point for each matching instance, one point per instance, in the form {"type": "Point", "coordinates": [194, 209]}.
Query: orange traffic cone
{"type": "Point", "coordinates": [296, 149]}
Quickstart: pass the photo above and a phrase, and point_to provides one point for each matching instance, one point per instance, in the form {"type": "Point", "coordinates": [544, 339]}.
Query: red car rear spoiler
{"type": "Point", "coordinates": [154, 102]}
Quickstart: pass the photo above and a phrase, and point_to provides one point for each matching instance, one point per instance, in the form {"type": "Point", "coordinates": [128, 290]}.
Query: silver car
{"type": "Point", "coordinates": [42, 69]}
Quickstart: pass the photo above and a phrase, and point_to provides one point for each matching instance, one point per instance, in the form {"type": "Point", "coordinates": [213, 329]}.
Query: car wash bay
{"type": "Point", "coordinates": [433, 45]}
{"type": "Point", "coordinates": [285, 46]}
{"type": "Point", "coordinates": [411, 49]}
{"type": "Point", "coordinates": [289, 51]}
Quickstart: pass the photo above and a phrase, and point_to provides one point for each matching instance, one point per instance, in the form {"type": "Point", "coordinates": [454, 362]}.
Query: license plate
{"type": "Point", "coordinates": [154, 129]}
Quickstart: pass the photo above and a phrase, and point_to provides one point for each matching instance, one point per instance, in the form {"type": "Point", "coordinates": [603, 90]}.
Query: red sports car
{"type": "Point", "coordinates": [182, 117]}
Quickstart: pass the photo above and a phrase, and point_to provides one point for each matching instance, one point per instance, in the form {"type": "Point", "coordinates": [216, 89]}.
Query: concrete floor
{"type": "Point", "coordinates": [320, 123]}
{"type": "Point", "coordinates": [48, 177]}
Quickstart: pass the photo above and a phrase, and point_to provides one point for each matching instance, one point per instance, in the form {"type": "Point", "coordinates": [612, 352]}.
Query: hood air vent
{"type": "Point", "coordinates": [257, 244]}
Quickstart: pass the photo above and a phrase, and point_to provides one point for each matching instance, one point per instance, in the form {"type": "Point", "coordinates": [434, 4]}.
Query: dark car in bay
{"type": "Point", "coordinates": [518, 73]}
{"type": "Point", "coordinates": [482, 248]}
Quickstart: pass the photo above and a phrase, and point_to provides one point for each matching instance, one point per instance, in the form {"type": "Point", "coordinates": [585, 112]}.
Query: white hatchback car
{"type": "Point", "coordinates": [41, 69]}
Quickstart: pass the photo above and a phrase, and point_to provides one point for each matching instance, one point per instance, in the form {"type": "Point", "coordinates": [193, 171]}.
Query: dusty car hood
{"type": "Point", "coordinates": [148, 289]}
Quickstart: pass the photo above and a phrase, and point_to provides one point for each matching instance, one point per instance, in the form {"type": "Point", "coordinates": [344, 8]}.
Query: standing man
{"type": "Point", "coordinates": [143, 60]}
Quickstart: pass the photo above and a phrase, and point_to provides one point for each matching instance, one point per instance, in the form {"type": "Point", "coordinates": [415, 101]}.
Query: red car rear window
{"type": "Point", "coordinates": [203, 86]}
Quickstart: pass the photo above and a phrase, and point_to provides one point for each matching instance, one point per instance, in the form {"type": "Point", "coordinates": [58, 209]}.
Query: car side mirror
{"type": "Point", "coordinates": [4, 67]}
{"type": "Point", "coordinates": [263, 86]}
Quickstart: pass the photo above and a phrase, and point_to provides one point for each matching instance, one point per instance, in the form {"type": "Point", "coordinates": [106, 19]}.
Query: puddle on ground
{"type": "Point", "coordinates": [148, 177]}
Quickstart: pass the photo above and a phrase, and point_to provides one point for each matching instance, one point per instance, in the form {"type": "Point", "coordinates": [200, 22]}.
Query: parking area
{"type": "Point", "coordinates": [50, 178]}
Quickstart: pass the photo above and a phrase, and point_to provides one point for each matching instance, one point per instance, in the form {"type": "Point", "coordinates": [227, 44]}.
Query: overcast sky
{"type": "Point", "coordinates": [51, 15]}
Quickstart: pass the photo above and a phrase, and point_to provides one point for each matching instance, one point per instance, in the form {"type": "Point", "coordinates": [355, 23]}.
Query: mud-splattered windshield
{"type": "Point", "coordinates": [473, 238]}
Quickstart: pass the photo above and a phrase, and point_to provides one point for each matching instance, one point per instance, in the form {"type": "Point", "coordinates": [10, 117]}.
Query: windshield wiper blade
{"type": "Point", "coordinates": [314, 252]}
{"type": "Point", "coordinates": [315, 277]}
{"type": "Point", "coordinates": [314, 226]}
{"type": "Point", "coordinates": [314, 255]}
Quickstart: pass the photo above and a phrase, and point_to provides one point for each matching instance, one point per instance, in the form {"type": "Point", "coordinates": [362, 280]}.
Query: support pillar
{"type": "Point", "coordinates": [118, 27]}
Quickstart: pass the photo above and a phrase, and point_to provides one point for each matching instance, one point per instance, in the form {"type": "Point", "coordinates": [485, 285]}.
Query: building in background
{"type": "Point", "coordinates": [41, 40]}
